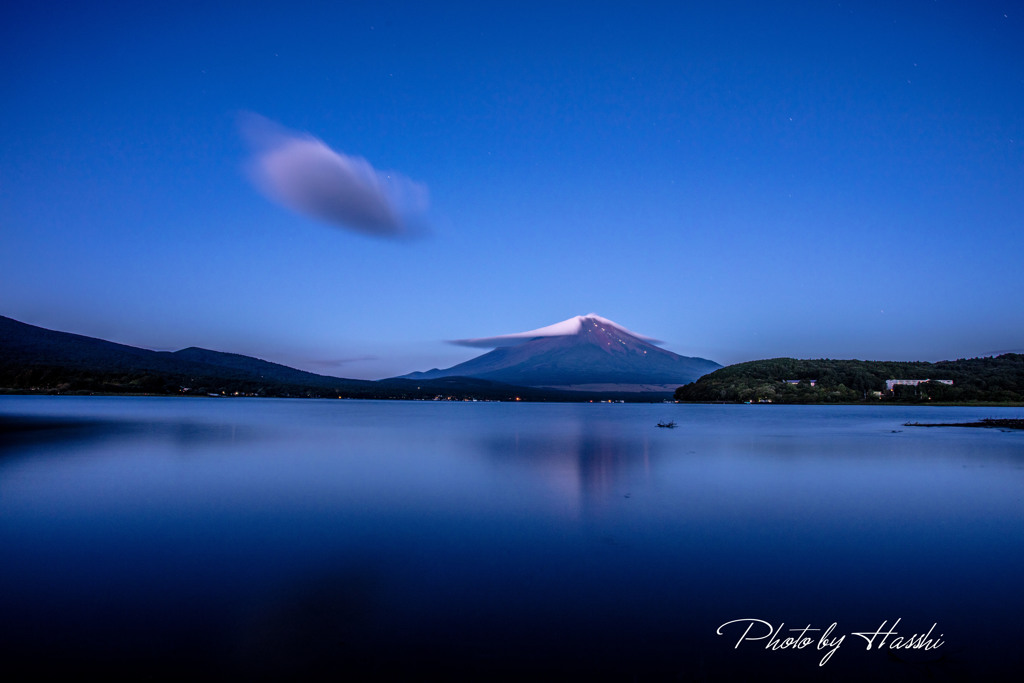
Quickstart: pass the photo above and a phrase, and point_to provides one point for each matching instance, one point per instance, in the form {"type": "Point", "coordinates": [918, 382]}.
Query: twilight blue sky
{"type": "Point", "coordinates": [741, 180]}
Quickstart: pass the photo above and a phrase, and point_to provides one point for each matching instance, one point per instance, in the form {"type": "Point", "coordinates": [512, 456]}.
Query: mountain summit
{"type": "Point", "coordinates": [565, 328]}
{"type": "Point", "coordinates": [586, 352]}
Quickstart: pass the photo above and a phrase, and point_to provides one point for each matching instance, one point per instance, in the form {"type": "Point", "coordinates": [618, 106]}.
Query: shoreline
{"type": "Point", "coordinates": [636, 398]}
{"type": "Point", "coordinates": [988, 422]}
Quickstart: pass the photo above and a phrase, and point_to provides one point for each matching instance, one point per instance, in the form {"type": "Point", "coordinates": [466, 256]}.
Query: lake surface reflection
{"type": "Point", "coordinates": [274, 538]}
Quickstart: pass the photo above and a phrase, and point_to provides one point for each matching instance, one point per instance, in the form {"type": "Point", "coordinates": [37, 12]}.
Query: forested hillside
{"type": "Point", "coordinates": [994, 379]}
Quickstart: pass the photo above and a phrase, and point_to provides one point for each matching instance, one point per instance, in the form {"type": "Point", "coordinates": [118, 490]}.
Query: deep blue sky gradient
{"type": "Point", "coordinates": [741, 180]}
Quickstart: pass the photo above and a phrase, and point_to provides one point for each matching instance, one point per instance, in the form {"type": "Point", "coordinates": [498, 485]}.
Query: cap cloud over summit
{"type": "Point", "coordinates": [584, 350]}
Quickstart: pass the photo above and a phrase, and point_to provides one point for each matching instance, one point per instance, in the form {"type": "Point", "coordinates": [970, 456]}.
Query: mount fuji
{"type": "Point", "coordinates": [585, 353]}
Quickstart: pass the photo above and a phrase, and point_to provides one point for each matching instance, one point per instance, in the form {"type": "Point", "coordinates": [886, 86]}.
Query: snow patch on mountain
{"type": "Point", "coordinates": [566, 328]}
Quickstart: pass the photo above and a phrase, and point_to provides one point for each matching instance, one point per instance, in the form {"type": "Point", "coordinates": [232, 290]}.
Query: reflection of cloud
{"type": "Point", "coordinates": [312, 623]}
{"type": "Point", "coordinates": [302, 173]}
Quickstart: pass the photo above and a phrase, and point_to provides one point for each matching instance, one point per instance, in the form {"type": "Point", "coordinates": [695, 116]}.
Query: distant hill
{"type": "Point", "coordinates": [579, 353]}
{"type": "Point", "coordinates": [37, 360]}
{"type": "Point", "coordinates": [249, 367]}
{"type": "Point", "coordinates": [998, 379]}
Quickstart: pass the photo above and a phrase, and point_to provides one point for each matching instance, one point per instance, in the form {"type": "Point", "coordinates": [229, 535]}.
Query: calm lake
{"type": "Point", "coordinates": [433, 540]}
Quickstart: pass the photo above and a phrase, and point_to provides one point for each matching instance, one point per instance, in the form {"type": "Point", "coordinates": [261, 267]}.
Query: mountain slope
{"type": "Point", "coordinates": [249, 366]}
{"type": "Point", "coordinates": [594, 351]}
{"type": "Point", "coordinates": [35, 355]}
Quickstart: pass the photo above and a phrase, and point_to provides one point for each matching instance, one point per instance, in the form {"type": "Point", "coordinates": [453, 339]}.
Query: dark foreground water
{"type": "Point", "coordinates": [437, 541]}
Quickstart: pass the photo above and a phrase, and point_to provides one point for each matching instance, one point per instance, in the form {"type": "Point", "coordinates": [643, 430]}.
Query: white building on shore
{"type": "Point", "coordinates": [890, 383]}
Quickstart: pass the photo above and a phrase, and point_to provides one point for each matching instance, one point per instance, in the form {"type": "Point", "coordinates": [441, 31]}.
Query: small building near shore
{"type": "Point", "coordinates": [797, 381]}
{"type": "Point", "coordinates": [890, 383]}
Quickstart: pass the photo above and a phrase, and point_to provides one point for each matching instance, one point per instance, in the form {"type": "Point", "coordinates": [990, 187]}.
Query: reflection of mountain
{"type": "Point", "coordinates": [577, 353]}
{"type": "Point", "coordinates": [587, 466]}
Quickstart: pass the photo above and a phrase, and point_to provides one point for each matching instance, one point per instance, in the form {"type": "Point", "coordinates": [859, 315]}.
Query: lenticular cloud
{"type": "Point", "coordinates": [303, 174]}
